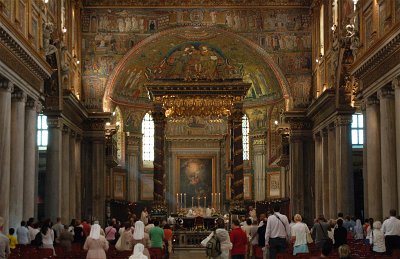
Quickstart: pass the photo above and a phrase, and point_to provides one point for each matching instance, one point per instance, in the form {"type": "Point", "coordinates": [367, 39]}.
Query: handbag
{"type": "Point", "coordinates": [308, 235]}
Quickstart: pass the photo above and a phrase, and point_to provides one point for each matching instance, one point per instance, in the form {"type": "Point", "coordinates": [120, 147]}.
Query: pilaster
{"type": "Point", "coordinates": [72, 174]}
{"type": "Point", "coordinates": [132, 152]}
{"type": "Point", "coordinates": [325, 173]}
{"type": "Point", "coordinates": [65, 199]}
{"type": "Point", "coordinates": [318, 174]}
{"type": "Point", "coordinates": [332, 173]}
{"type": "Point", "coordinates": [259, 168]}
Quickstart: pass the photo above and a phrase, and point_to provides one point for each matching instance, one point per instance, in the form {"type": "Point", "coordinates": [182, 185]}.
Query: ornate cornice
{"type": "Point", "coordinates": [385, 92]}
{"type": "Point", "coordinates": [26, 54]}
{"type": "Point", "coordinates": [343, 121]}
{"type": "Point", "coordinates": [375, 60]}
{"type": "Point", "coordinates": [372, 100]}
{"type": "Point", "coordinates": [193, 4]}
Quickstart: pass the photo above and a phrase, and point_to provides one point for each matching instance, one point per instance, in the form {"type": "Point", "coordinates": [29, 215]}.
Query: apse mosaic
{"type": "Point", "coordinates": [109, 34]}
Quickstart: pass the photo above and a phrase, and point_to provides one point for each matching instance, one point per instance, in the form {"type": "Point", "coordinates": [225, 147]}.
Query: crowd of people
{"type": "Point", "coordinates": [131, 236]}
{"type": "Point", "coordinates": [269, 235]}
{"type": "Point", "coordinates": [264, 236]}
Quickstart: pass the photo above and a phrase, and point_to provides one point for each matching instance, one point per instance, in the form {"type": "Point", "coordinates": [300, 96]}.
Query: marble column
{"type": "Point", "coordinates": [318, 174]}
{"type": "Point", "coordinates": [396, 85]}
{"type": "Point", "coordinates": [344, 165]}
{"type": "Point", "coordinates": [78, 175]}
{"type": "Point", "coordinates": [18, 102]}
{"type": "Point", "coordinates": [374, 195]}
{"type": "Point", "coordinates": [72, 178]}
{"type": "Point", "coordinates": [30, 154]}
{"type": "Point", "coordinates": [133, 167]}
{"type": "Point", "coordinates": [325, 173]}
{"type": "Point", "coordinates": [54, 169]}
{"type": "Point", "coordinates": [159, 163]}
{"type": "Point", "coordinates": [98, 178]}
{"type": "Point", "coordinates": [6, 88]}
{"type": "Point", "coordinates": [65, 198]}
{"type": "Point", "coordinates": [388, 150]}
{"type": "Point", "coordinates": [237, 152]}
{"type": "Point", "coordinates": [259, 169]}
{"type": "Point", "coordinates": [332, 175]}
{"type": "Point", "coordinates": [365, 157]}
{"type": "Point", "coordinates": [297, 173]}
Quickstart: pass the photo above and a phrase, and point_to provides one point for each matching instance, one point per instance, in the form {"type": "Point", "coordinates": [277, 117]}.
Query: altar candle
{"type": "Point", "coordinates": [185, 201]}
{"type": "Point", "coordinates": [198, 202]}
{"type": "Point", "coordinates": [205, 202]}
{"type": "Point", "coordinates": [177, 202]}
{"type": "Point", "coordinates": [181, 200]}
{"type": "Point", "coordinates": [212, 199]}
{"type": "Point", "coordinates": [192, 201]}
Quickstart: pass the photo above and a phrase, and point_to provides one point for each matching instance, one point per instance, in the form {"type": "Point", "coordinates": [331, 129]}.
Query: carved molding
{"type": "Point", "coordinates": [23, 54]}
{"type": "Point", "coordinates": [54, 122]}
{"type": "Point", "coordinates": [343, 121]}
{"type": "Point", "coordinates": [386, 51]}
{"type": "Point", "coordinates": [372, 100]}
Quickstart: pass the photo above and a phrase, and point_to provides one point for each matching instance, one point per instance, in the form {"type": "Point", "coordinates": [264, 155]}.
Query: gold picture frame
{"type": "Point", "coordinates": [147, 187]}
{"type": "Point", "coordinates": [195, 176]}
{"type": "Point", "coordinates": [274, 184]}
{"type": "Point", "coordinates": [119, 186]}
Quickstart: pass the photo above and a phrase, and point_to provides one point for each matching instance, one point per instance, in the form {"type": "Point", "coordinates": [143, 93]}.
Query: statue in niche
{"type": "Point", "coordinates": [48, 45]}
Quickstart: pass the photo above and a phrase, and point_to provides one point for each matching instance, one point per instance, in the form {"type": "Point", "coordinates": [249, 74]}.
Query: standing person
{"type": "Point", "coordinates": [96, 244]}
{"type": "Point", "coordinates": [277, 232]}
{"type": "Point", "coordinates": [66, 239]}
{"type": "Point", "coordinates": [254, 237]}
{"type": "Point", "coordinates": [23, 234]}
{"type": "Point", "coordinates": [58, 228]}
{"type": "Point", "coordinates": [262, 226]}
{"type": "Point", "coordinates": [320, 232]}
{"type": "Point", "coordinates": [4, 242]}
{"type": "Point", "coordinates": [47, 235]}
{"type": "Point", "coordinates": [391, 230]}
{"type": "Point", "coordinates": [156, 235]}
{"type": "Point", "coordinates": [110, 233]}
{"type": "Point", "coordinates": [340, 234]}
{"type": "Point", "coordinates": [168, 238]}
{"type": "Point", "coordinates": [79, 235]}
{"type": "Point", "coordinates": [358, 230]}
{"type": "Point", "coordinates": [125, 241]}
{"type": "Point", "coordinates": [140, 237]}
{"type": "Point", "coordinates": [239, 241]}
{"type": "Point", "coordinates": [377, 239]}
{"type": "Point", "coordinates": [138, 252]}
{"type": "Point", "coordinates": [252, 213]}
{"type": "Point", "coordinates": [299, 235]}
{"type": "Point", "coordinates": [144, 216]}
{"type": "Point", "coordinates": [223, 237]}
{"type": "Point", "coordinates": [12, 238]}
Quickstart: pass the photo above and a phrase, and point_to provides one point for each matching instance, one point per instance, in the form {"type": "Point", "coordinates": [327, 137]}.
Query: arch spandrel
{"type": "Point", "coordinates": [125, 85]}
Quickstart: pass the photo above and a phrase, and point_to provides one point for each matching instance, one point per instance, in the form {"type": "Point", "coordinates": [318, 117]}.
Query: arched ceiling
{"type": "Point", "coordinates": [126, 85]}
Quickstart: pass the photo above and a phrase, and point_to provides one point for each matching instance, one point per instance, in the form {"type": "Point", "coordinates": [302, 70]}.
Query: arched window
{"type": "Point", "coordinates": [245, 132]}
{"type": "Point", "coordinates": [42, 132]}
{"type": "Point", "coordinates": [148, 138]}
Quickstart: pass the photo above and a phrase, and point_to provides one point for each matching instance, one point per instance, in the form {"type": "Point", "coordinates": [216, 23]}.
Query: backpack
{"type": "Point", "coordinates": [213, 246]}
{"type": "Point", "coordinates": [38, 241]}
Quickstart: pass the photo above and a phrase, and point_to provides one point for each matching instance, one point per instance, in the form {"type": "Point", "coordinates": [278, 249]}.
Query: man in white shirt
{"type": "Point", "coordinates": [277, 232]}
{"type": "Point", "coordinates": [23, 234]}
{"type": "Point", "coordinates": [391, 230]}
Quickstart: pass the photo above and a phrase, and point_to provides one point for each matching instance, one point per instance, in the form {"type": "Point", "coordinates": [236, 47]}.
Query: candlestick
{"type": "Point", "coordinates": [185, 202]}
{"type": "Point", "coordinates": [177, 202]}
{"type": "Point", "coordinates": [198, 202]}
{"type": "Point", "coordinates": [212, 199]}
{"type": "Point", "coordinates": [181, 200]}
{"type": "Point", "coordinates": [205, 202]}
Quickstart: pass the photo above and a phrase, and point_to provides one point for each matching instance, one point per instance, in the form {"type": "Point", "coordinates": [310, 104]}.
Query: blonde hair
{"type": "Point", "coordinates": [297, 218]}
{"type": "Point", "coordinates": [344, 251]}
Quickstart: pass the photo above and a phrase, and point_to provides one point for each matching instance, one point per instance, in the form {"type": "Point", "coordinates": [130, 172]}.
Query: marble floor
{"type": "Point", "coordinates": [189, 254]}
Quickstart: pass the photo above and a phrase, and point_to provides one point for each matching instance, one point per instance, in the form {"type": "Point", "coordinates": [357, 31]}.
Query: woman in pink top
{"type": "Point", "coordinates": [96, 244]}
{"type": "Point", "coordinates": [110, 232]}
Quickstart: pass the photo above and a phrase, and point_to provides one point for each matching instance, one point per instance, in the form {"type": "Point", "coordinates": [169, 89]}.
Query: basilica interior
{"type": "Point", "coordinates": [110, 106]}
